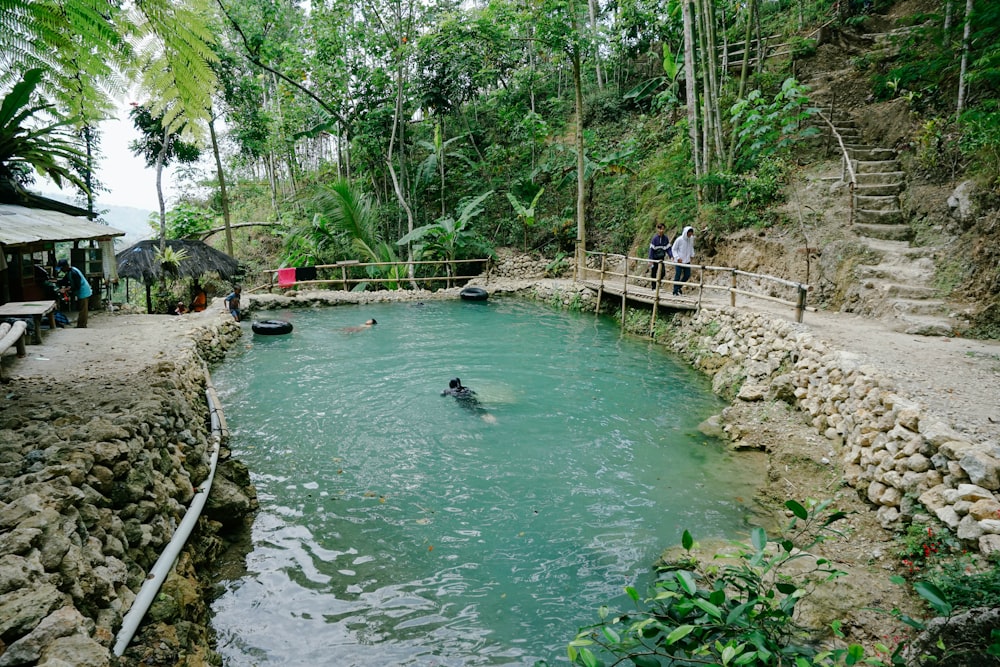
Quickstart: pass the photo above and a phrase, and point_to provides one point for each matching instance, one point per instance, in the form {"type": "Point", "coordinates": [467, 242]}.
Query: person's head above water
{"type": "Point", "coordinates": [371, 322]}
{"type": "Point", "coordinates": [454, 383]}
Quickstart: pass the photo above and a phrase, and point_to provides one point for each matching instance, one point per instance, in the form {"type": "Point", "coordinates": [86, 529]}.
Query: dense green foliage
{"type": "Point", "coordinates": [422, 107]}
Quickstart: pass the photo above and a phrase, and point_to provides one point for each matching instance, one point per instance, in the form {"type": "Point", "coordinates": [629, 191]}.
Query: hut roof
{"type": "Point", "coordinates": [139, 262]}
{"type": "Point", "coordinates": [20, 225]}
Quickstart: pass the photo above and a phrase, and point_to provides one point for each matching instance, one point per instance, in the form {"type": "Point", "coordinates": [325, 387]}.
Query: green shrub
{"type": "Point", "coordinates": [738, 612]}
{"type": "Point", "coordinates": [965, 586]}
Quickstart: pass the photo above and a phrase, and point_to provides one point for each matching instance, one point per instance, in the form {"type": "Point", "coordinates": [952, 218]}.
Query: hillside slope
{"type": "Point", "coordinates": [918, 253]}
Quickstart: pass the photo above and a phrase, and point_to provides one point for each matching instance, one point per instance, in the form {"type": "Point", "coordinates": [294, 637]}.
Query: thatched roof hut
{"type": "Point", "coordinates": [140, 263]}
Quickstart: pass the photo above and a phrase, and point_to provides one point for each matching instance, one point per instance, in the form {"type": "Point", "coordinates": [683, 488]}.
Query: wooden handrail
{"type": "Point", "coordinates": [346, 264]}
{"type": "Point", "coordinates": [852, 180]}
{"type": "Point", "coordinates": [728, 282]}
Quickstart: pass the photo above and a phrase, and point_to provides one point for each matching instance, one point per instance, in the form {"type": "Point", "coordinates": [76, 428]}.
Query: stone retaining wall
{"type": "Point", "coordinates": [89, 499]}
{"type": "Point", "coordinates": [908, 464]}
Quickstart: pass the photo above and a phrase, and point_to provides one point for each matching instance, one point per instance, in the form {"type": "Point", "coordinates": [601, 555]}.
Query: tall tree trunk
{"type": "Point", "coordinates": [223, 194]}
{"type": "Point", "coordinates": [581, 213]}
{"type": "Point", "coordinates": [597, 43]}
{"type": "Point", "coordinates": [707, 118]}
{"type": "Point", "coordinates": [88, 175]}
{"type": "Point", "coordinates": [744, 72]}
{"type": "Point", "coordinates": [712, 65]}
{"type": "Point", "coordinates": [400, 196]}
{"type": "Point", "coordinates": [965, 55]}
{"type": "Point", "coordinates": [439, 145]}
{"type": "Point", "coordinates": [691, 86]}
{"type": "Point", "coordinates": [160, 160]}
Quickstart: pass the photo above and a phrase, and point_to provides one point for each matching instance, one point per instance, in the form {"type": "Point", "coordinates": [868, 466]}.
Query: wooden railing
{"type": "Point", "coordinates": [343, 273]}
{"type": "Point", "coordinates": [621, 274]}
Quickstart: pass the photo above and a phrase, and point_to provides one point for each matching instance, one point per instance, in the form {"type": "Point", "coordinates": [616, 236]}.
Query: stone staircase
{"type": "Point", "coordinates": [898, 285]}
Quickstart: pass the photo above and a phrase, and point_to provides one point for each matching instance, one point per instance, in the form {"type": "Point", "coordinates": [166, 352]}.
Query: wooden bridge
{"type": "Point", "coordinates": [629, 279]}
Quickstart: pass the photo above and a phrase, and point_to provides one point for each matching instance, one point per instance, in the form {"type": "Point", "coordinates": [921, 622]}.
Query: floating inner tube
{"type": "Point", "coordinates": [272, 327]}
{"type": "Point", "coordinates": [474, 294]}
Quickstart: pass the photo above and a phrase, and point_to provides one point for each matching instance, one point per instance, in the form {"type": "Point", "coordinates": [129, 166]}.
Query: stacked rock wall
{"type": "Point", "coordinates": [905, 461]}
{"type": "Point", "coordinates": [90, 495]}
{"type": "Point", "coordinates": [514, 265]}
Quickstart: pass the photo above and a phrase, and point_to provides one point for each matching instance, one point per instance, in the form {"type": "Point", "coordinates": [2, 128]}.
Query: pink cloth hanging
{"type": "Point", "coordinates": [286, 277]}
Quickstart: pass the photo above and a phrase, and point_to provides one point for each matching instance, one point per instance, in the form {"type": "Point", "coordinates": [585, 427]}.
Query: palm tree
{"type": "Point", "coordinates": [30, 142]}
{"type": "Point", "coordinates": [348, 211]}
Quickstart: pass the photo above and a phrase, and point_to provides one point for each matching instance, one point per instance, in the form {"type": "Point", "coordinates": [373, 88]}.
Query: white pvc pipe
{"type": "Point", "coordinates": [165, 562]}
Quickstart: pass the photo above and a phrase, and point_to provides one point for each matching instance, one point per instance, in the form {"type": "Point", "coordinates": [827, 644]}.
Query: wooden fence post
{"type": "Point", "coordinates": [732, 291]}
{"type": "Point", "coordinates": [656, 297]}
{"type": "Point", "coordinates": [800, 308]}
{"type": "Point", "coordinates": [600, 287]}
{"type": "Point", "coordinates": [624, 292]}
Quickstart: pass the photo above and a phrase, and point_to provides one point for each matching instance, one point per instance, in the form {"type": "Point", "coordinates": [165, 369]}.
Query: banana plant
{"type": "Point", "coordinates": [448, 239]}
{"type": "Point", "coordinates": [525, 214]}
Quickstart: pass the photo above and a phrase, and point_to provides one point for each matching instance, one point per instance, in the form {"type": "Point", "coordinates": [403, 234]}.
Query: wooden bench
{"type": "Point", "coordinates": [12, 334]}
{"type": "Point", "coordinates": [36, 310]}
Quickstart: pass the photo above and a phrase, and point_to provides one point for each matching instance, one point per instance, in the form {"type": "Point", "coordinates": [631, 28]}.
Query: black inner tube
{"type": "Point", "coordinates": [474, 294]}
{"type": "Point", "coordinates": [272, 327]}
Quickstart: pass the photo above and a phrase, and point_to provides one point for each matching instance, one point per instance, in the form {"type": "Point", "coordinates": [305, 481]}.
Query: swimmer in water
{"type": "Point", "coordinates": [367, 325]}
{"type": "Point", "coordinates": [467, 397]}
{"type": "Point", "coordinates": [456, 389]}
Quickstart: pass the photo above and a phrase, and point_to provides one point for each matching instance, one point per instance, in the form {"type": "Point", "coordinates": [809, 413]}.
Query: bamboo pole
{"type": "Point", "coordinates": [656, 298]}
{"type": "Point", "coordinates": [732, 292]}
{"type": "Point", "coordinates": [624, 293]}
{"type": "Point", "coordinates": [600, 289]}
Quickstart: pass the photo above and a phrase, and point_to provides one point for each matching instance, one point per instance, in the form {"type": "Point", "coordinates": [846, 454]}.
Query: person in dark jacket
{"type": "Point", "coordinates": [659, 249]}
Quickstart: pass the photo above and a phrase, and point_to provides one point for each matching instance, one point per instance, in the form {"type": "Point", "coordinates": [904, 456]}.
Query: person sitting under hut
{"type": "Point", "coordinates": [200, 300]}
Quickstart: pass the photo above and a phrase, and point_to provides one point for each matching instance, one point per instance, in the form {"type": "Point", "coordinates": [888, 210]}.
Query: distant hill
{"type": "Point", "coordinates": [133, 221]}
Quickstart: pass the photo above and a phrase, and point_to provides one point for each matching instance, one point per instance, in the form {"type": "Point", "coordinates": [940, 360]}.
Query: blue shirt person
{"type": "Point", "coordinates": [233, 302]}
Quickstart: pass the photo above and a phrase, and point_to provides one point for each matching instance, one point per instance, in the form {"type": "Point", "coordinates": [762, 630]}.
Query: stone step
{"type": "Point", "coordinates": [883, 190]}
{"type": "Point", "coordinates": [887, 232]}
{"type": "Point", "coordinates": [871, 153]}
{"type": "Point", "coordinates": [892, 289]}
{"type": "Point", "coordinates": [876, 202]}
{"type": "Point", "coordinates": [884, 178]}
{"type": "Point", "coordinates": [870, 217]}
{"type": "Point", "coordinates": [876, 166]}
{"type": "Point", "coordinates": [924, 325]}
{"type": "Point", "coordinates": [924, 255]}
{"type": "Point", "coordinates": [905, 268]}
{"type": "Point", "coordinates": [920, 307]}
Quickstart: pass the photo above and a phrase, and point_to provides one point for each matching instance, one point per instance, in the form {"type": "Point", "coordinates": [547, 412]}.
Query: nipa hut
{"type": "Point", "coordinates": [140, 262]}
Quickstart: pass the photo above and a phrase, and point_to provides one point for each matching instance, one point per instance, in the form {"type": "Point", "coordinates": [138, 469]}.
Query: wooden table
{"type": "Point", "coordinates": [33, 309]}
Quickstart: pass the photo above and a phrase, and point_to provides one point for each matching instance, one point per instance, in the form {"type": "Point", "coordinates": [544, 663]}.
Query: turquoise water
{"type": "Point", "coordinates": [402, 527]}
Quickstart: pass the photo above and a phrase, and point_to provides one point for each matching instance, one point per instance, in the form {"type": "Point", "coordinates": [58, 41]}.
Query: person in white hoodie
{"type": "Point", "coordinates": [683, 252]}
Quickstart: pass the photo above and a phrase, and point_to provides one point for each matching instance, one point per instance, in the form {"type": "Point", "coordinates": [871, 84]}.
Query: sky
{"type": "Point", "coordinates": [129, 181]}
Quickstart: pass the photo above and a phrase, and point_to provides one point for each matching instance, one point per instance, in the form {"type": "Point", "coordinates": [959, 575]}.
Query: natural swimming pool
{"type": "Point", "coordinates": [399, 527]}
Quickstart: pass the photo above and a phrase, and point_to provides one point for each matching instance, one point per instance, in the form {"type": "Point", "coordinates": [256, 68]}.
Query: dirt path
{"type": "Point", "coordinates": [955, 379]}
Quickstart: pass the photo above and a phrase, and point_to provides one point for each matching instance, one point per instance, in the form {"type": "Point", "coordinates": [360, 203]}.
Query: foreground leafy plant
{"type": "Point", "coordinates": [740, 612]}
